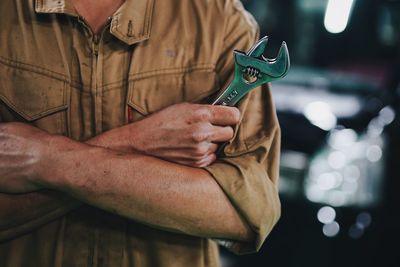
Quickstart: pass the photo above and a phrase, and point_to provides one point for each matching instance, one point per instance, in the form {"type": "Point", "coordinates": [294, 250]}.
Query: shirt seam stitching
{"type": "Point", "coordinates": [33, 68]}
{"type": "Point", "coordinates": [172, 71]}
{"type": "Point", "coordinates": [143, 75]}
{"type": "Point", "coordinates": [133, 77]}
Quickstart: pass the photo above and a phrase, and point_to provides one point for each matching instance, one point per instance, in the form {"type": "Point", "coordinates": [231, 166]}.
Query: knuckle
{"type": "Point", "coordinates": [197, 137]}
{"type": "Point", "coordinates": [201, 114]}
{"type": "Point", "coordinates": [212, 133]}
{"type": "Point", "coordinates": [199, 133]}
{"type": "Point", "coordinates": [200, 150]}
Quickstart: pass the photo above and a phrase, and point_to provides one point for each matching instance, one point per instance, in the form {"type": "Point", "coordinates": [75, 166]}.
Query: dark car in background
{"type": "Point", "coordinates": [339, 113]}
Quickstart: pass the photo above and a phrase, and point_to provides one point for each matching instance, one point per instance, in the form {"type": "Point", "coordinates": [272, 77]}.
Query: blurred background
{"type": "Point", "coordinates": [339, 113]}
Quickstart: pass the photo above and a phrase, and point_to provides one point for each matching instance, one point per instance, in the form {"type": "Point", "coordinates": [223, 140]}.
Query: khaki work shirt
{"type": "Point", "coordinates": [58, 76]}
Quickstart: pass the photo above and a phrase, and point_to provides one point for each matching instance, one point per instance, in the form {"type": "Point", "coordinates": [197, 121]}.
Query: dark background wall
{"type": "Point", "coordinates": [368, 49]}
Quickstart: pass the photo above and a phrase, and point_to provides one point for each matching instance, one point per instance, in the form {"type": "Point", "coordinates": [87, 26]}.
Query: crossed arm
{"type": "Point", "coordinates": [150, 176]}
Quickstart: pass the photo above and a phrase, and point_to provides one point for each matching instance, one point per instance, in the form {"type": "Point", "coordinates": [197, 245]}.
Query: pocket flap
{"type": "Point", "coordinates": [151, 94]}
{"type": "Point", "coordinates": [30, 94]}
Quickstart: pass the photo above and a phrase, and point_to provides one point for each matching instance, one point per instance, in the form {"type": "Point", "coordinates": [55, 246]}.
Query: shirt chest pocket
{"type": "Point", "coordinates": [31, 97]}
{"type": "Point", "coordinates": [149, 94]}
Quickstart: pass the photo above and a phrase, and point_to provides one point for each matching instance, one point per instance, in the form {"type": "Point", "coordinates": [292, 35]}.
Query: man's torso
{"type": "Point", "coordinates": [57, 75]}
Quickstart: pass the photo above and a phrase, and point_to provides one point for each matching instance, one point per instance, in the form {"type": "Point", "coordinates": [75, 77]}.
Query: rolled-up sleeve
{"type": "Point", "coordinates": [249, 170]}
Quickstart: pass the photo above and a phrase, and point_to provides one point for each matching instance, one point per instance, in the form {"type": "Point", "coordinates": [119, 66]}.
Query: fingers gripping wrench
{"type": "Point", "coordinates": [252, 69]}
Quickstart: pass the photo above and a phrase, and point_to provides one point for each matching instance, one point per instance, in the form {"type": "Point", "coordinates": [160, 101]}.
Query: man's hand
{"type": "Point", "coordinates": [21, 150]}
{"type": "Point", "coordinates": [183, 133]}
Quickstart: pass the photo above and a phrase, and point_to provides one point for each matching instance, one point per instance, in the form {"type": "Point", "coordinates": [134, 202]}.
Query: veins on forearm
{"type": "Point", "coordinates": [149, 190]}
{"type": "Point", "coordinates": [16, 209]}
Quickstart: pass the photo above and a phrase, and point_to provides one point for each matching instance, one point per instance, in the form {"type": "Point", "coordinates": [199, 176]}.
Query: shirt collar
{"type": "Point", "coordinates": [131, 23]}
{"type": "Point", "coordinates": [54, 7]}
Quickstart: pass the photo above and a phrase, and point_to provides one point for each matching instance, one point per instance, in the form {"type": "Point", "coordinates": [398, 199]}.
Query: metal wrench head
{"type": "Point", "coordinates": [252, 69]}
{"type": "Point", "coordinates": [267, 69]}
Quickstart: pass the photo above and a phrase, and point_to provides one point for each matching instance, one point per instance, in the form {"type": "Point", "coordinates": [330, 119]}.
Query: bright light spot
{"type": "Point", "coordinates": [351, 173]}
{"type": "Point", "coordinates": [320, 114]}
{"type": "Point", "coordinates": [329, 180]}
{"type": "Point", "coordinates": [314, 194]}
{"type": "Point", "coordinates": [337, 15]}
{"type": "Point", "coordinates": [355, 231]}
{"type": "Point", "coordinates": [374, 153]}
{"type": "Point", "coordinates": [326, 215]}
{"type": "Point", "coordinates": [339, 139]}
{"type": "Point", "coordinates": [375, 127]}
{"type": "Point", "coordinates": [331, 229]}
{"type": "Point", "coordinates": [337, 198]}
{"type": "Point", "coordinates": [387, 115]}
{"type": "Point", "coordinates": [350, 187]}
{"type": "Point", "coordinates": [337, 160]}
{"type": "Point", "coordinates": [364, 219]}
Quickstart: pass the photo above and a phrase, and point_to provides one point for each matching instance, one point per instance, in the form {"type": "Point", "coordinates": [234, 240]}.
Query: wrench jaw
{"type": "Point", "coordinates": [252, 69]}
{"type": "Point", "coordinates": [270, 68]}
{"type": "Point", "coordinates": [281, 62]}
{"type": "Point", "coordinates": [258, 49]}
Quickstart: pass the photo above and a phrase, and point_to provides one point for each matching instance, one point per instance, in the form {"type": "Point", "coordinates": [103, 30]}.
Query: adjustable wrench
{"type": "Point", "coordinates": [252, 69]}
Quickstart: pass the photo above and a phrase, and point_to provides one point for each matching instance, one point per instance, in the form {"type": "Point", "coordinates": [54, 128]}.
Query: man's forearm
{"type": "Point", "coordinates": [23, 212]}
{"type": "Point", "coordinates": [192, 202]}
{"type": "Point", "coordinates": [145, 189]}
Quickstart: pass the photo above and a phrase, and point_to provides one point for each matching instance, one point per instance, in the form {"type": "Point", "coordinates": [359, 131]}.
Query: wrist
{"type": "Point", "coordinates": [134, 138]}
{"type": "Point", "coordinates": [54, 160]}
{"type": "Point", "coordinates": [120, 139]}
